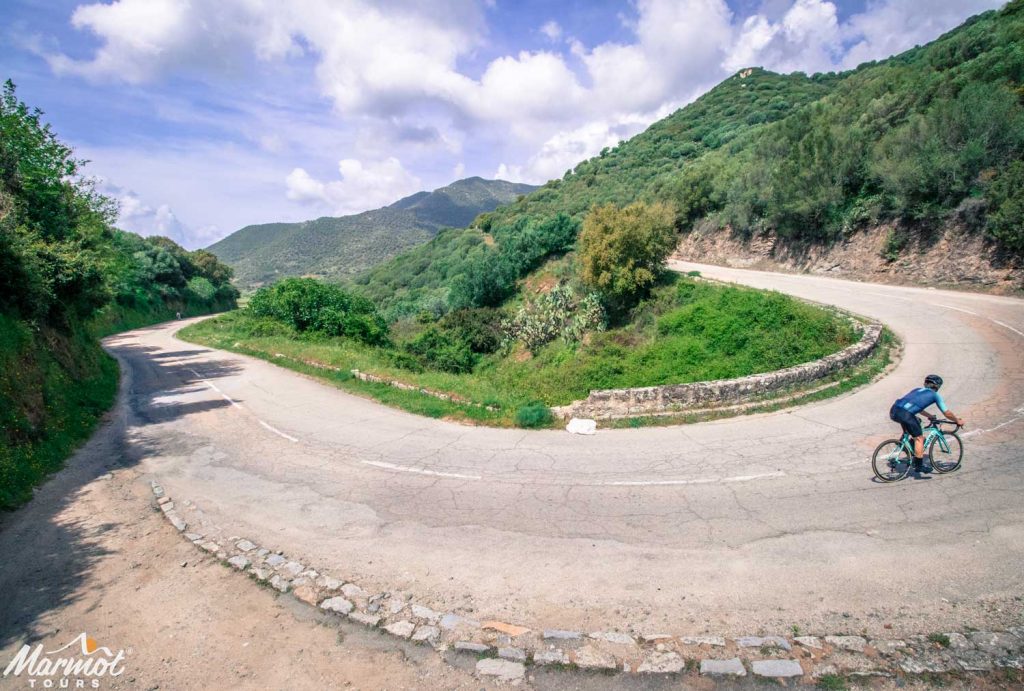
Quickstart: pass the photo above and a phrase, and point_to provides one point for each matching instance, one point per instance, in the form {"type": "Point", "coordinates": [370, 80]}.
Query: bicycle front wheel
{"type": "Point", "coordinates": [891, 461]}
{"type": "Point", "coordinates": [946, 461]}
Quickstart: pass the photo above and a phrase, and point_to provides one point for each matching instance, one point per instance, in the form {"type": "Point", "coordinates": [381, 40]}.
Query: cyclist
{"type": "Point", "coordinates": [905, 411]}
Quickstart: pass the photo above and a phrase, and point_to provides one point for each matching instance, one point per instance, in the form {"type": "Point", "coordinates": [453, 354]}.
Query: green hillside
{"type": "Point", "coordinates": [338, 247]}
{"type": "Point", "coordinates": [66, 277]}
{"type": "Point", "coordinates": [934, 133]}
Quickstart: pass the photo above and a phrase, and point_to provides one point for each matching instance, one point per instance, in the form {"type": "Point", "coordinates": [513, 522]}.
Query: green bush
{"type": "Point", "coordinates": [489, 278]}
{"type": "Point", "coordinates": [307, 305]}
{"type": "Point", "coordinates": [622, 251]}
{"type": "Point", "coordinates": [1006, 199]}
{"type": "Point", "coordinates": [440, 351]}
{"type": "Point", "coordinates": [202, 289]}
{"type": "Point", "coordinates": [479, 328]}
{"type": "Point", "coordinates": [534, 415]}
{"type": "Point", "coordinates": [895, 243]}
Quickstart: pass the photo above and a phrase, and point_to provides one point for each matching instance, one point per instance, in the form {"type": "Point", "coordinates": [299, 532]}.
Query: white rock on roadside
{"type": "Point", "coordinates": [239, 562]}
{"type": "Point", "coordinates": [402, 629]}
{"type": "Point", "coordinates": [581, 426]}
{"type": "Point", "coordinates": [337, 604]}
{"type": "Point", "coordinates": [352, 590]}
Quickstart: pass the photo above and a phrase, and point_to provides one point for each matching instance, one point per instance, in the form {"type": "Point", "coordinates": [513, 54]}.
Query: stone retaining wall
{"type": "Point", "coordinates": [648, 400]}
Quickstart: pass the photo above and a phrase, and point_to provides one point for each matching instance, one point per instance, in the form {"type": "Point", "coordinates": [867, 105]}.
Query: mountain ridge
{"type": "Point", "coordinates": [336, 247]}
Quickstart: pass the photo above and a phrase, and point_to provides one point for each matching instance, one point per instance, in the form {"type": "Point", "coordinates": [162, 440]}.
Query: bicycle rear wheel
{"type": "Point", "coordinates": [943, 461]}
{"type": "Point", "coordinates": [891, 461]}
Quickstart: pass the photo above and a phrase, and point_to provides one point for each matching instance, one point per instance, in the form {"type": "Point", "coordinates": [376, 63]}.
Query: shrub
{"type": "Point", "coordinates": [622, 251]}
{"type": "Point", "coordinates": [201, 289]}
{"type": "Point", "coordinates": [479, 328]}
{"type": "Point", "coordinates": [265, 327]}
{"type": "Point", "coordinates": [559, 312]}
{"type": "Point", "coordinates": [308, 305]}
{"type": "Point", "coordinates": [1006, 200]}
{"type": "Point", "coordinates": [490, 278]}
{"type": "Point", "coordinates": [440, 351]}
{"type": "Point", "coordinates": [533, 416]}
{"type": "Point", "coordinates": [404, 360]}
{"type": "Point", "coordinates": [895, 243]}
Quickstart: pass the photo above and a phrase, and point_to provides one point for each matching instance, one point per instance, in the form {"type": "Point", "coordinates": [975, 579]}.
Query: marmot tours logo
{"type": "Point", "coordinates": [81, 664]}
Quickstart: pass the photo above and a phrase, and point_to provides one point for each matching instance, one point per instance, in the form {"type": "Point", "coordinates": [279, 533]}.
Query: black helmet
{"type": "Point", "coordinates": [933, 380]}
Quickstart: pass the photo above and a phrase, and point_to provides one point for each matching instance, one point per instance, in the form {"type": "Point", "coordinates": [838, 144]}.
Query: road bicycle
{"type": "Point", "coordinates": [893, 458]}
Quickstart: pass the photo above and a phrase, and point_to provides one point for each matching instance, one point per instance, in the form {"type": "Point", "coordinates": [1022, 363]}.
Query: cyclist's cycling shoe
{"type": "Point", "coordinates": [920, 467]}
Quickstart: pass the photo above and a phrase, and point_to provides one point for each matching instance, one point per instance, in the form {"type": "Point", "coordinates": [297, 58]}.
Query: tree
{"type": "Point", "coordinates": [1006, 200]}
{"type": "Point", "coordinates": [623, 250]}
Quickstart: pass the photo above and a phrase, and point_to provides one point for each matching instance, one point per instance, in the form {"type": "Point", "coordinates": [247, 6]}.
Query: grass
{"type": "Point", "coordinates": [689, 330]}
{"type": "Point", "coordinates": [939, 638]}
{"type": "Point", "coordinates": [832, 682]}
{"type": "Point", "coordinates": [863, 373]}
{"type": "Point", "coordinates": [54, 388]}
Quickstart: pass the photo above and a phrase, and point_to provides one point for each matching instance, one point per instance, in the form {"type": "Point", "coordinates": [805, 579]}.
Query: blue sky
{"type": "Point", "coordinates": [202, 116]}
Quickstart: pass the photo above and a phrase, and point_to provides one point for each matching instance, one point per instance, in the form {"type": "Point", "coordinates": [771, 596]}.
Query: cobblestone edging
{"type": "Point", "coordinates": [654, 400]}
{"type": "Point", "coordinates": [506, 649]}
{"type": "Point", "coordinates": [454, 398]}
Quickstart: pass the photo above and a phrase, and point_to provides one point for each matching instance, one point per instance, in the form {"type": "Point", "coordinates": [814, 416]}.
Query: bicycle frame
{"type": "Point", "coordinates": [931, 432]}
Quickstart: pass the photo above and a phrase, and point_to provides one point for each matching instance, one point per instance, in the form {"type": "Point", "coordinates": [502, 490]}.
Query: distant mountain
{"type": "Point", "coordinates": [338, 247]}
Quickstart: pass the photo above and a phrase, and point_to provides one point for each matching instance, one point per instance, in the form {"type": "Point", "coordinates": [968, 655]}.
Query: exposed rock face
{"type": "Point", "coordinates": [949, 256]}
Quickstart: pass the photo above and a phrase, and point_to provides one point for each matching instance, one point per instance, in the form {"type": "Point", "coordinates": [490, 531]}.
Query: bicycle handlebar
{"type": "Point", "coordinates": [935, 422]}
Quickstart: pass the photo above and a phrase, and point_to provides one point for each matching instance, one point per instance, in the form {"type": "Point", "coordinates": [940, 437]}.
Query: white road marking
{"type": "Point", "coordinates": [1007, 326]}
{"type": "Point", "coordinates": [996, 321]}
{"type": "Point", "coordinates": [241, 407]}
{"type": "Point", "coordinates": [974, 432]}
{"type": "Point", "coordinates": [958, 309]}
{"type": "Point", "coordinates": [692, 481]}
{"type": "Point", "coordinates": [214, 387]}
{"type": "Point", "coordinates": [419, 471]}
{"type": "Point", "coordinates": [276, 431]}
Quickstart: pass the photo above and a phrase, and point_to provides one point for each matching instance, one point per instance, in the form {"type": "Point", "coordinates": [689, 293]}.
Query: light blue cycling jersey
{"type": "Point", "coordinates": [919, 399]}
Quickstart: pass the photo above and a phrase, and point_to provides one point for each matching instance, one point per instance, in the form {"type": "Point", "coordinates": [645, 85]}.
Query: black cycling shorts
{"type": "Point", "coordinates": [908, 421]}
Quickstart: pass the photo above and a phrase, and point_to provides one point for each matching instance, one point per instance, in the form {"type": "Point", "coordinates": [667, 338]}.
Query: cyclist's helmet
{"type": "Point", "coordinates": [933, 380]}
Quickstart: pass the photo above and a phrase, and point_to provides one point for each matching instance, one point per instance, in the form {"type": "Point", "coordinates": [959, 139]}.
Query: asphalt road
{"type": "Point", "coordinates": [751, 524]}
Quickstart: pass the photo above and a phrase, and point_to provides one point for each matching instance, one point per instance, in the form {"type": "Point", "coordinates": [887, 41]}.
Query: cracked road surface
{"type": "Point", "coordinates": [754, 523]}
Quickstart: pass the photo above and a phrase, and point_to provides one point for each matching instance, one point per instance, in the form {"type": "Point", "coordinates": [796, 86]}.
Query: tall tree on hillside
{"type": "Point", "coordinates": [623, 250]}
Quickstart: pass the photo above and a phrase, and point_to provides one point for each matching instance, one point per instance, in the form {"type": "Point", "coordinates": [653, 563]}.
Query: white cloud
{"type": "Point", "coordinates": [551, 30]}
{"type": "Point", "coordinates": [525, 89]}
{"type": "Point", "coordinates": [146, 39]}
{"type": "Point", "coordinates": [137, 216]}
{"type": "Point", "coordinates": [565, 149]}
{"type": "Point", "coordinates": [302, 187]}
{"type": "Point", "coordinates": [887, 27]}
{"type": "Point", "coordinates": [806, 38]}
{"type": "Point", "coordinates": [362, 186]}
